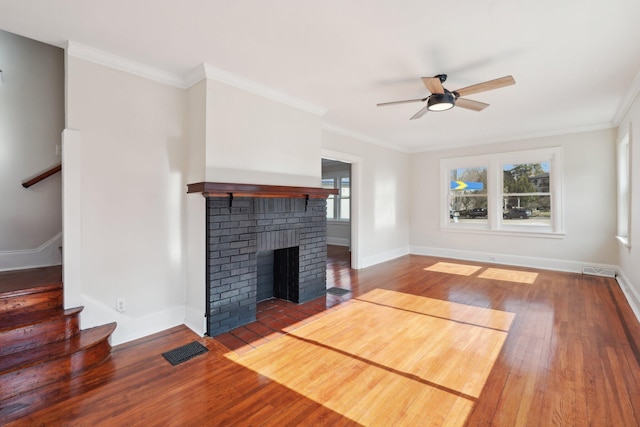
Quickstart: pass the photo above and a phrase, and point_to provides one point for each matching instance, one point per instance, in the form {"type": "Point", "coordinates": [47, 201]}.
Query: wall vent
{"type": "Point", "coordinates": [598, 271]}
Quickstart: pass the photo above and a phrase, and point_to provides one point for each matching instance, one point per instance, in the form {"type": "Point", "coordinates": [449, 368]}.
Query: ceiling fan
{"type": "Point", "coordinates": [442, 99]}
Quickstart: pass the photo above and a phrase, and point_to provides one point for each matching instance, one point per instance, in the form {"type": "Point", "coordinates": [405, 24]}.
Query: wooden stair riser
{"type": "Point", "coordinates": [41, 343]}
{"type": "Point", "coordinates": [63, 326]}
{"type": "Point", "coordinates": [30, 302]}
{"type": "Point", "coordinates": [78, 355]}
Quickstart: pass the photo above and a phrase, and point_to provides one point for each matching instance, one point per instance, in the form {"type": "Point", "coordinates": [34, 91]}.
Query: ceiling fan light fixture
{"type": "Point", "coordinates": [441, 101]}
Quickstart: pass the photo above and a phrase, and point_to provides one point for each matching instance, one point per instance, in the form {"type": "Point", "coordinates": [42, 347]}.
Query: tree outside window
{"type": "Point", "coordinates": [525, 193]}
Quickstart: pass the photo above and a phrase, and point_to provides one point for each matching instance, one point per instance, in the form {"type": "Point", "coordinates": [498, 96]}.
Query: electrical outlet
{"type": "Point", "coordinates": [58, 149]}
{"type": "Point", "coordinates": [120, 306]}
{"type": "Point", "coordinates": [493, 258]}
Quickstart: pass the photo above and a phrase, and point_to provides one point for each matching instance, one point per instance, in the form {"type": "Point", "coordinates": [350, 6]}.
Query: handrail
{"type": "Point", "coordinates": [46, 174]}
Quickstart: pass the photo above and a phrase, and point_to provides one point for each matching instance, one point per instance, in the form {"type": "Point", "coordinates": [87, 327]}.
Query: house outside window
{"type": "Point", "coordinates": [515, 192]}
{"type": "Point", "coordinates": [526, 194]}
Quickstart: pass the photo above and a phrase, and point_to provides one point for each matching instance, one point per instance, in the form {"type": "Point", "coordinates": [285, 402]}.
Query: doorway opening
{"type": "Point", "coordinates": [338, 175]}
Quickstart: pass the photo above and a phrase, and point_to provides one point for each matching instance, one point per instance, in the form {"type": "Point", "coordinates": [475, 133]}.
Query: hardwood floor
{"type": "Point", "coordinates": [418, 341]}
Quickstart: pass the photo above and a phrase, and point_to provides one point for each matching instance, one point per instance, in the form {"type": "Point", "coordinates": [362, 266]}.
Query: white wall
{"type": "Point", "coordinates": [629, 258]}
{"type": "Point", "coordinates": [589, 208]}
{"type": "Point", "coordinates": [130, 222]}
{"type": "Point", "coordinates": [195, 218]}
{"type": "Point", "coordinates": [380, 191]}
{"type": "Point", "coordinates": [339, 233]}
{"type": "Point", "coordinates": [255, 140]}
{"type": "Point", "coordinates": [31, 123]}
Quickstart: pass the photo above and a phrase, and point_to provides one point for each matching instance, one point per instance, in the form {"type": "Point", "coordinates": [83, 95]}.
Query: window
{"type": "Point", "coordinates": [338, 206]}
{"type": "Point", "coordinates": [624, 189]}
{"type": "Point", "coordinates": [526, 193]}
{"type": "Point", "coordinates": [468, 195]}
{"type": "Point", "coordinates": [518, 192]}
{"type": "Point", "coordinates": [331, 200]}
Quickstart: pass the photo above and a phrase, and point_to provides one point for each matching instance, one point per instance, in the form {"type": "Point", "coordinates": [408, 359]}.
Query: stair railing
{"type": "Point", "coordinates": [46, 174]}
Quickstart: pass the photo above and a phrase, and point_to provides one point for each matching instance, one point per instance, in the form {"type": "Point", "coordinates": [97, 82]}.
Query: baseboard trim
{"type": "Point", "coordinates": [630, 293]}
{"type": "Point", "coordinates": [195, 320]}
{"type": "Point", "coordinates": [383, 257]}
{"type": "Point", "coordinates": [46, 255]}
{"type": "Point", "coordinates": [129, 328]}
{"type": "Point", "coordinates": [520, 261]}
{"type": "Point", "coordinates": [337, 241]}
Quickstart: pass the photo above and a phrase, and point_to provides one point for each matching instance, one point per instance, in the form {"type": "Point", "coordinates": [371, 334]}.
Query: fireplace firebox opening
{"type": "Point", "coordinates": [278, 274]}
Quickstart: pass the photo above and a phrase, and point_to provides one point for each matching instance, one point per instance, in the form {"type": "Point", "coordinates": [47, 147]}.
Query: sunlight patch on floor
{"type": "Point", "coordinates": [388, 358]}
{"type": "Point", "coordinates": [453, 268]}
{"type": "Point", "coordinates": [509, 275]}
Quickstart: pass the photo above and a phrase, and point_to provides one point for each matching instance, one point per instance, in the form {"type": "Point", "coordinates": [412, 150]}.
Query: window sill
{"type": "Point", "coordinates": [624, 241]}
{"type": "Point", "coordinates": [338, 221]}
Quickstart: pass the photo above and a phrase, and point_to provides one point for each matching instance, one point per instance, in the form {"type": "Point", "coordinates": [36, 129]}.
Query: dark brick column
{"type": "Point", "coordinates": [238, 228]}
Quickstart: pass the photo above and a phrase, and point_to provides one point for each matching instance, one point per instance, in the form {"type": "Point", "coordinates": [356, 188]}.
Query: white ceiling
{"type": "Point", "coordinates": [575, 61]}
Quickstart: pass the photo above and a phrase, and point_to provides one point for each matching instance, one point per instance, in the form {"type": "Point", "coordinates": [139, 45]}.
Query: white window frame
{"type": "Point", "coordinates": [494, 164]}
{"type": "Point", "coordinates": [623, 189]}
{"type": "Point", "coordinates": [337, 181]}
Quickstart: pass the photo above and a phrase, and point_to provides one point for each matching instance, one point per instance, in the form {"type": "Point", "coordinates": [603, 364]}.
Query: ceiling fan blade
{"type": "Point", "coordinates": [402, 102]}
{"type": "Point", "coordinates": [470, 104]}
{"type": "Point", "coordinates": [420, 113]}
{"type": "Point", "coordinates": [485, 86]}
{"type": "Point", "coordinates": [433, 84]}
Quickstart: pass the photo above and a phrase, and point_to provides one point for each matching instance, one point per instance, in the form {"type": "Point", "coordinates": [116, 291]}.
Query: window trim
{"type": "Point", "coordinates": [494, 164]}
{"type": "Point", "coordinates": [337, 181]}
{"type": "Point", "coordinates": [624, 202]}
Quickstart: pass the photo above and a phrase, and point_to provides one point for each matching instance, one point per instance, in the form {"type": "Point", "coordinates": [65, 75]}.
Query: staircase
{"type": "Point", "coordinates": [41, 342]}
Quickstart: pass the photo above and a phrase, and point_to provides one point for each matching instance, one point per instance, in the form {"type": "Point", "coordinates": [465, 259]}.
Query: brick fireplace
{"type": "Point", "coordinates": [282, 227]}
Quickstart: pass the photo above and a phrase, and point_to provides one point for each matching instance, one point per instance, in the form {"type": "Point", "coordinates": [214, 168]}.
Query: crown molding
{"type": "Point", "coordinates": [515, 138]}
{"type": "Point", "coordinates": [632, 94]}
{"type": "Point", "coordinates": [207, 71]}
{"type": "Point", "coordinates": [202, 71]}
{"type": "Point", "coordinates": [196, 75]}
{"type": "Point", "coordinates": [361, 137]}
{"type": "Point", "coordinates": [87, 53]}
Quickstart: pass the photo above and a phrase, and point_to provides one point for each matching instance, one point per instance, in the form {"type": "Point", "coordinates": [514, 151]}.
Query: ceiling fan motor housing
{"type": "Point", "coordinates": [441, 101]}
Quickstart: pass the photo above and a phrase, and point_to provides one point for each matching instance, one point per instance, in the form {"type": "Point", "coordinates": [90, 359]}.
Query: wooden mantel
{"type": "Point", "coordinates": [220, 189]}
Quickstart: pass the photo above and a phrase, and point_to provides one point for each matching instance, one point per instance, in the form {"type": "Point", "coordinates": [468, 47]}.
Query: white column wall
{"type": "Point", "coordinates": [132, 198]}
{"type": "Point", "coordinates": [255, 140]}
{"type": "Point", "coordinates": [195, 220]}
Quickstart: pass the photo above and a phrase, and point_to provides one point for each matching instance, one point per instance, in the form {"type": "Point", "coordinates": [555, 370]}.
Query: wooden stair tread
{"type": "Point", "coordinates": [12, 293]}
{"type": "Point", "coordinates": [55, 350]}
{"type": "Point", "coordinates": [16, 280]}
{"type": "Point", "coordinates": [24, 331]}
{"type": "Point", "coordinates": [31, 299]}
{"type": "Point", "coordinates": [40, 342]}
{"type": "Point", "coordinates": [20, 319]}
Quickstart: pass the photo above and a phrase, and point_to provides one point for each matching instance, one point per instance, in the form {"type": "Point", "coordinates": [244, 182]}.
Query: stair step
{"type": "Point", "coordinates": [23, 331]}
{"type": "Point", "coordinates": [12, 280]}
{"type": "Point", "coordinates": [28, 370]}
{"type": "Point", "coordinates": [43, 297]}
